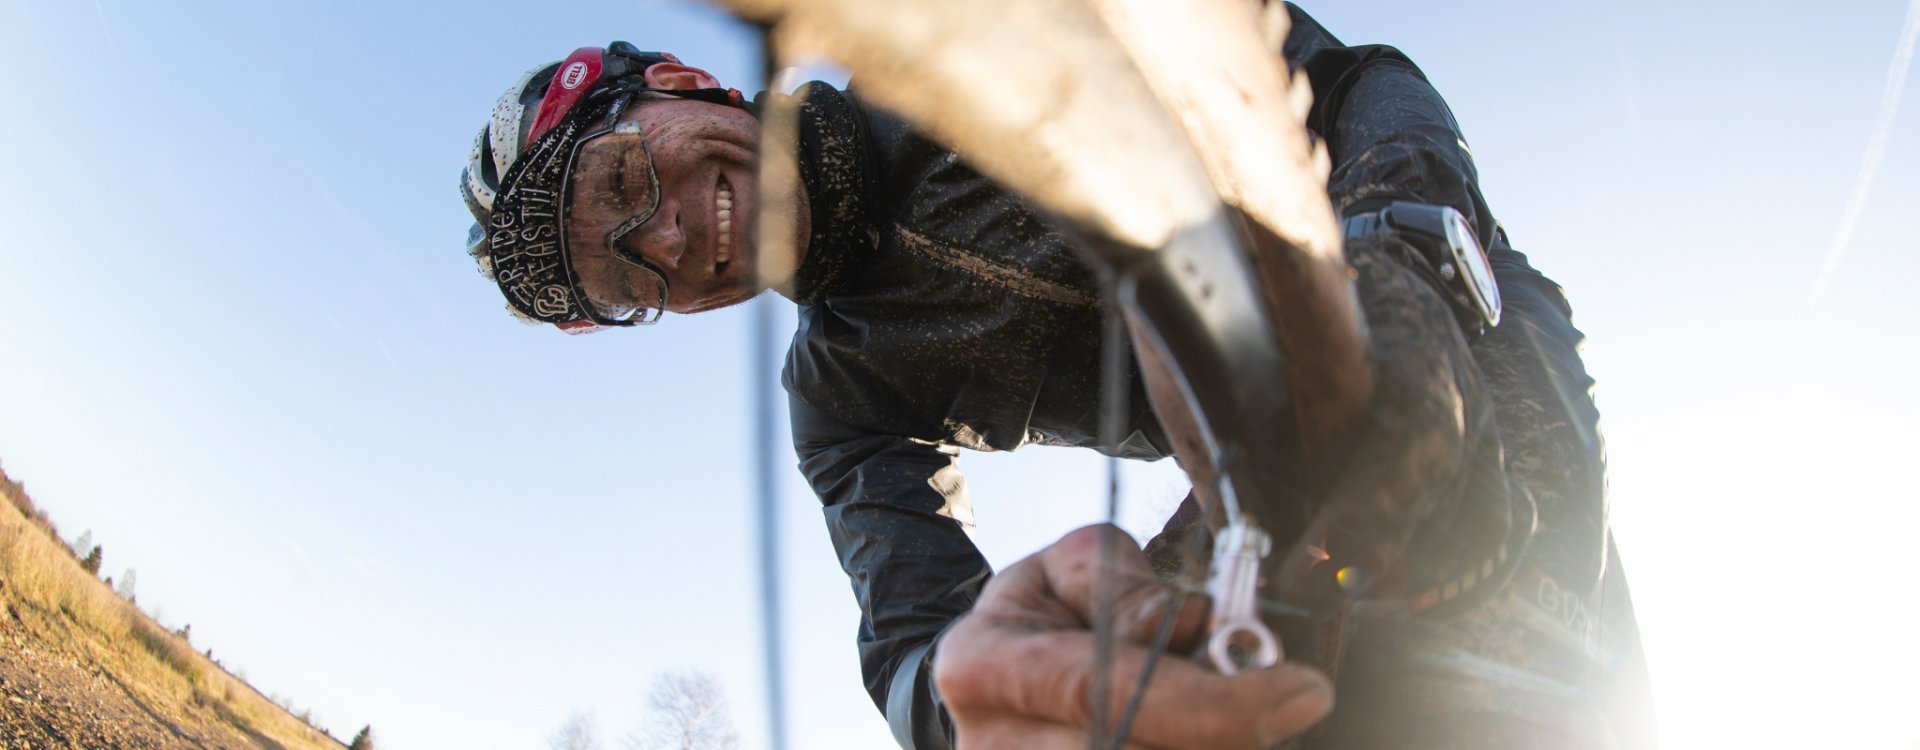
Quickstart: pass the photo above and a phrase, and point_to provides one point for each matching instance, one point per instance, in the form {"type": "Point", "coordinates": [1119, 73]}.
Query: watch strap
{"type": "Point", "coordinates": [1429, 255]}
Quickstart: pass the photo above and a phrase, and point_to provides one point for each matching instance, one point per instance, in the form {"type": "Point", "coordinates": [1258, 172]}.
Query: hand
{"type": "Point", "coordinates": [1017, 671]}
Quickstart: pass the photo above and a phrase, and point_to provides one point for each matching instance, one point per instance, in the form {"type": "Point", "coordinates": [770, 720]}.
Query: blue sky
{"type": "Point", "coordinates": [240, 342]}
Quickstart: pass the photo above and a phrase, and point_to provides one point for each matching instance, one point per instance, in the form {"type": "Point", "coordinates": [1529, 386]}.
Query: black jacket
{"type": "Point", "coordinates": [939, 312]}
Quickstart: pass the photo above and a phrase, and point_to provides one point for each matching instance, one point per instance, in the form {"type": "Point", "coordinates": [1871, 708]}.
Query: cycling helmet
{"type": "Point", "coordinates": [542, 114]}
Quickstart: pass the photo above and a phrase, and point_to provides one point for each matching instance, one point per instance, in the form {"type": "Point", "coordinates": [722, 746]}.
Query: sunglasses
{"type": "Point", "coordinates": [633, 291]}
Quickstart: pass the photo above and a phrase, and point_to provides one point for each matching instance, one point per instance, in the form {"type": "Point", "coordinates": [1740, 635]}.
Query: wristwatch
{"type": "Point", "coordinates": [1452, 257]}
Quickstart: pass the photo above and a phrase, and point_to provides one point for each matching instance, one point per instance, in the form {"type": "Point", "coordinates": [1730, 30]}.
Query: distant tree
{"type": "Point", "coordinates": [125, 589]}
{"type": "Point", "coordinates": [578, 733]}
{"type": "Point", "coordinates": [92, 562]}
{"type": "Point", "coordinates": [82, 544]}
{"type": "Point", "coordinates": [689, 713]}
{"type": "Point", "coordinates": [185, 632]}
{"type": "Point", "coordinates": [363, 740]}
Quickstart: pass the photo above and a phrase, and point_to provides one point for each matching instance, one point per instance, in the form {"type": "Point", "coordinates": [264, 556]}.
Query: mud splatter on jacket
{"type": "Point", "coordinates": [938, 312]}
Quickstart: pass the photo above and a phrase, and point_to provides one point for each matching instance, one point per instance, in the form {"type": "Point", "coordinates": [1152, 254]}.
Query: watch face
{"type": "Point", "coordinates": [1473, 265]}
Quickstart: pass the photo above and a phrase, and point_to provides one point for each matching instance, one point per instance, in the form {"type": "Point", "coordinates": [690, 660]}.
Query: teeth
{"type": "Point", "coordinates": [723, 210]}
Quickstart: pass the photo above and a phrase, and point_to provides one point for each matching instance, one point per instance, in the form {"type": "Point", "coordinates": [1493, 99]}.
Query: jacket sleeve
{"type": "Point", "coordinates": [896, 509]}
{"type": "Point", "coordinates": [1390, 135]}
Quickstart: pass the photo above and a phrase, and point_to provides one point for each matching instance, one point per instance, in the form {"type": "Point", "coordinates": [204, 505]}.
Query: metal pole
{"type": "Point", "coordinates": [765, 432]}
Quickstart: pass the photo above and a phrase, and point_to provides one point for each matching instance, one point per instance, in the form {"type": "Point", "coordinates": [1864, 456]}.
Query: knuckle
{"type": "Point", "coordinates": [960, 672]}
{"type": "Point", "coordinates": [1086, 540]}
{"type": "Point", "coordinates": [1077, 685]}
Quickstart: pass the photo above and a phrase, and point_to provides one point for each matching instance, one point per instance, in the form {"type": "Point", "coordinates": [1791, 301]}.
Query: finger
{"type": "Point", "coordinates": [1013, 732]}
{"type": "Point", "coordinates": [1080, 566]}
{"type": "Point", "coordinates": [1050, 675]}
{"type": "Point", "coordinates": [1016, 732]}
{"type": "Point", "coordinates": [1021, 593]}
{"type": "Point", "coordinates": [1192, 707]}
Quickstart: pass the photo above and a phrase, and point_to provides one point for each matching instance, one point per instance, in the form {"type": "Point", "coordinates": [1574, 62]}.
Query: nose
{"type": "Point", "coordinates": [662, 241]}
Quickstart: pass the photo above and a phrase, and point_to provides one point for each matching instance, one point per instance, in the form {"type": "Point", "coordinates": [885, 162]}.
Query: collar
{"type": "Point", "coordinates": [833, 155]}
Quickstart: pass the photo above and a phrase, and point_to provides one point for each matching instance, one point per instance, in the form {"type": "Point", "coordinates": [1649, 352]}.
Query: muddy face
{"type": "Point", "coordinates": [698, 235]}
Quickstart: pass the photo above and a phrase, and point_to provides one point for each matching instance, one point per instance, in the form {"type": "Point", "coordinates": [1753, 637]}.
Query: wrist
{"type": "Point", "coordinates": [1439, 244]}
{"type": "Point", "coordinates": [915, 713]}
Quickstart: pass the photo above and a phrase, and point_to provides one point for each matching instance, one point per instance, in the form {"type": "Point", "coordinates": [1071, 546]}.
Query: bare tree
{"type": "Point", "coordinates": [689, 712]}
{"type": "Point", "coordinates": [578, 733]}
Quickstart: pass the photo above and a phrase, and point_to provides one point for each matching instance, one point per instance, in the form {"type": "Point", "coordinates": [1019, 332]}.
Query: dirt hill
{"type": "Point", "coordinates": [81, 667]}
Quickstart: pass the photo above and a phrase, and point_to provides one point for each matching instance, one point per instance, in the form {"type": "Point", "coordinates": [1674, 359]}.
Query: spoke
{"type": "Point", "coordinates": [1113, 410]}
{"type": "Point", "coordinates": [1160, 637]}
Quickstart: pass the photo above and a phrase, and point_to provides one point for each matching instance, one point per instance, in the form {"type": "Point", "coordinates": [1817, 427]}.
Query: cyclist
{"type": "Point", "coordinates": [939, 312]}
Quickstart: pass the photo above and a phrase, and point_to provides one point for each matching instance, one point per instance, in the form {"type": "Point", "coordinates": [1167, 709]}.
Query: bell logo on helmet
{"type": "Point", "coordinates": [574, 75]}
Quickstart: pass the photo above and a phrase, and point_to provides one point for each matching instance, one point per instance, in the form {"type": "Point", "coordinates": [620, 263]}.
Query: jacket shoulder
{"type": "Point", "coordinates": [1306, 36]}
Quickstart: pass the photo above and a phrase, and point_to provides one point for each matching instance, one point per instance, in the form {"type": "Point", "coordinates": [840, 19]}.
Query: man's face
{"type": "Point", "coordinates": [698, 237]}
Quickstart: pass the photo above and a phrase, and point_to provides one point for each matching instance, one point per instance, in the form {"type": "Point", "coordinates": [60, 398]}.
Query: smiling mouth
{"type": "Point", "coordinates": [723, 218]}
